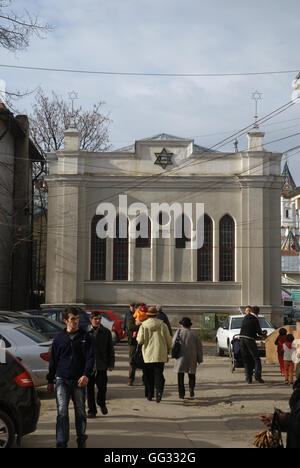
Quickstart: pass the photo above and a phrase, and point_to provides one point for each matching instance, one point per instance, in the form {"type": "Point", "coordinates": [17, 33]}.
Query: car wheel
{"type": "Point", "coordinates": [7, 431]}
{"type": "Point", "coordinates": [219, 351]}
{"type": "Point", "coordinates": [115, 337]}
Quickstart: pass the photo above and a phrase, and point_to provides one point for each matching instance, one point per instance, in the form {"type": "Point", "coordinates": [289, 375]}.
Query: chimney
{"type": "Point", "coordinates": [255, 141]}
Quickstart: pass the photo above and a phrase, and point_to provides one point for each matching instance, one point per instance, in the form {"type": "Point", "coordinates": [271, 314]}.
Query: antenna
{"type": "Point", "coordinates": [256, 96]}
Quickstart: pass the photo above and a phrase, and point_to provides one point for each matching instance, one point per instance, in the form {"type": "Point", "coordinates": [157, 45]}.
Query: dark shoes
{"type": "Point", "coordinates": [91, 415]}
{"type": "Point", "coordinates": [104, 410]}
{"type": "Point", "coordinates": [260, 381]}
{"type": "Point", "coordinates": [158, 397]}
{"type": "Point", "coordinates": [81, 444]}
{"type": "Point", "coordinates": [192, 393]}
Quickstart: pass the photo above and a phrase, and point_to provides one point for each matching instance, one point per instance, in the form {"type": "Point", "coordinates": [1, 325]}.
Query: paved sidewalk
{"type": "Point", "coordinates": [224, 412]}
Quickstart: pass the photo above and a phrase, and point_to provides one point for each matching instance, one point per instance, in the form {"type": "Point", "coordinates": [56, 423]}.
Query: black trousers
{"type": "Point", "coordinates": [99, 379]}
{"type": "Point", "coordinates": [251, 359]}
{"type": "Point", "coordinates": [132, 369]}
{"type": "Point", "coordinates": [153, 377]}
{"type": "Point", "coordinates": [180, 378]}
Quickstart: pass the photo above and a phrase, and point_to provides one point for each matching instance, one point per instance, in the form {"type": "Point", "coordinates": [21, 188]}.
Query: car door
{"type": "Point", "coordinates": [27, 346]}
{"type": "Point", "coordinates": [223, 334]}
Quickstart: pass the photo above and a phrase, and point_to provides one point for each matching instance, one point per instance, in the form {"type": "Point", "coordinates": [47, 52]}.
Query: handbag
{"type": "Point", "coordinates": [136, 359]}
{"type": "Point", "coordinates": [271, 438]}
{"type": "Point", "coordinates": [176, 348]}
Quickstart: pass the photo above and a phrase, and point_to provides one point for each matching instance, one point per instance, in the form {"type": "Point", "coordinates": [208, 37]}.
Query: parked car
{"type": "Point", "coordinates": [296, 317]}
{"type": "Point", "coordinates": [288, 315]}
{"type": "Point", "coordinates": [57, 315]}
{"type": "Point", "coordinates": [29, 347]}
{"type": "Point", "coordinates": [231, 327]}
{"type": "Point", "coordinates": [19, 402]}
{"type": "Point", "coordinates": [5, 315]}
{"type": "Point", "coordinates": [116, 327]}
{"type": "Point", "coordinates": [44, 325]}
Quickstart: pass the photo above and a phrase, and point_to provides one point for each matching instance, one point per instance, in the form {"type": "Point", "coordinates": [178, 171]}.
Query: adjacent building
{"type": "Point", "coordinates": [17, 154]}
{"type": "Point", "coordinates": [290, 238]}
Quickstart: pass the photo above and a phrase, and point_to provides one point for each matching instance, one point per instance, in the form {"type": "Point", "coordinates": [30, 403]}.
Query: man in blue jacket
{"type": "Point", "coordinates": [71, 365]}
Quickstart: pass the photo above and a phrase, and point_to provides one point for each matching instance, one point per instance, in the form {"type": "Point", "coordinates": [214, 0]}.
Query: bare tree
{"type": "Point", "coordinates": [16, 29]}
{"type": "Point", "coordinates": [52, 115]}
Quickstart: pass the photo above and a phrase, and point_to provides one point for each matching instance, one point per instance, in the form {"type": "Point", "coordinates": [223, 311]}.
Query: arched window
{"type": "Point", "coordinates": [120, 254]}
{"type": "Point", "coordinates": [184, 230]}
{"type": "Point", "coordinates": [205, 254]}
{"type": "Point", "coordinates": [143, 242]}
{"type": "Point", "coordinates": [98, 252]}
{"type": "Point", "coordinates": [227, 245]}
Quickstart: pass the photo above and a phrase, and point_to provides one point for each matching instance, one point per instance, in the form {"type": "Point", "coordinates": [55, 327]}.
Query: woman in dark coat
{"type": "Point", "coordinates": [191, 354]}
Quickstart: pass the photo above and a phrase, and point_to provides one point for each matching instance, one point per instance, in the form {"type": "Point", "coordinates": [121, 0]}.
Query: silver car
{"type": "Point", "coordinates": [29, 347]}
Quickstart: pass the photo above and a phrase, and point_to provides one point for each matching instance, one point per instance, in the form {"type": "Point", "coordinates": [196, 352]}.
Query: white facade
{"type": "Point", "coordinates": [244, 187]}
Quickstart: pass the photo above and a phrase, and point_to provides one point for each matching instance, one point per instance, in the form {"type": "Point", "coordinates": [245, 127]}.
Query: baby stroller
{"type": "Point", "coordinates": [236, 355]}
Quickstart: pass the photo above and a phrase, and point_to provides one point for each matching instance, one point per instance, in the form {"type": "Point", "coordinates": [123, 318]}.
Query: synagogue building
{"type": "Point", "coordinates": [238, 262]}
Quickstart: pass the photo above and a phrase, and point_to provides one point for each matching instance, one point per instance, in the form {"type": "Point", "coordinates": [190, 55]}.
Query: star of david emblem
{"type": "Point", "coordinates": [164, 159]}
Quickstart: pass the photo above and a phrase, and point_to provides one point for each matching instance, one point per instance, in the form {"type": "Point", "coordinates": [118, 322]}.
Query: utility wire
{"type": "Point", "coordinates": [120, 73]}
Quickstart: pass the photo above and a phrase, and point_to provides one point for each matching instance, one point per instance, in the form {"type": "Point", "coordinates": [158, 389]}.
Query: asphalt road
{"type": "Point", "coordinates": [223, 414]}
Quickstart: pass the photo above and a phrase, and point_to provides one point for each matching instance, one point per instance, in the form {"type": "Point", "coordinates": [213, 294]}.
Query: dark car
{"type": "Point", "coordinates": [57, 314]}
{"type": "Point", "coordinates": [44, 325]}
{"type": "Point", "coordinates": [288, 315]}
{"type": "Point", "coordinates": [19, 402]}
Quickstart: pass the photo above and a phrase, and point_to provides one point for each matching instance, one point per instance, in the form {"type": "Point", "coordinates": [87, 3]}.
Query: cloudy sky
{"type": "Point", "coordinates": [170, 37]}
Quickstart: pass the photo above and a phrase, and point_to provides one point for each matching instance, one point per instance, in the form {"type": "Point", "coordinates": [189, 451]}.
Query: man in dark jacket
{"type": "Point", "coordinates": [250, 332]}
{"type": "Point", "coordinates": [105, 360]}
{"type": "Point", "coordinates": [71, 365]}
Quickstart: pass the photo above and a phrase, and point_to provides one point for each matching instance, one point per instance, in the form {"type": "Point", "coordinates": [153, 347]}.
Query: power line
{"type": "Point", "coordinates": [120, 73]}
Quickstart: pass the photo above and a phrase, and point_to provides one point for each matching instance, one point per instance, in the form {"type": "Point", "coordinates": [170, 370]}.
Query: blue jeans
{"type": "Point", "coordinates": [65, 390]}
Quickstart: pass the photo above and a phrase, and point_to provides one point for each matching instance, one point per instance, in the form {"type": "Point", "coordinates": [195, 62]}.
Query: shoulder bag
{"type": "Point", "coordinates": [176, 347]}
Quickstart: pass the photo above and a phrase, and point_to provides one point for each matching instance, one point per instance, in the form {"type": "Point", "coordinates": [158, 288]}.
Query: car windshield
{"type": "Point", "coordinates": [32, 334]}
{"type": "Point", "coordinates": [236, 323]}
{"type": "Point", "coordinates": [41, 324]}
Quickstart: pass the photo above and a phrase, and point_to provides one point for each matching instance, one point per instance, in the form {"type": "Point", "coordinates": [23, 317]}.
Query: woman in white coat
{"type": "Point", "coordinates": [191, 354]}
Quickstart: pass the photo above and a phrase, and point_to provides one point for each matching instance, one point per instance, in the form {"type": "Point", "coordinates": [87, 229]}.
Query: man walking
{"type": "Point", "coordinates": [157, 343]}
{"type": "Point", "coordinates": [105, 360]}
{"type": "Point", "coordinates": [128, 313]}
{"type": "Point", "coordinates": [71, 365]}
{"type": "Point", "coordinates": [250, 332]}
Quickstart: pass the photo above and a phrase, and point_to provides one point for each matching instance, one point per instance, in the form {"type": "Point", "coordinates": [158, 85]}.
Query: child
{"type": "Point", "coordinates": [140, 314]}
{"type": "Point", "coordinates": [289, 348]}
{"type": "Point", "coordinates": [279, 343]}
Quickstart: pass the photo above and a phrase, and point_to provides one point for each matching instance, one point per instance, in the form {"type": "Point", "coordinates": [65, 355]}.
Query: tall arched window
{"type": "Point", "coordinates": [98, 252]}
{"type": "Point", "coordinates": [183, 226]}
{"type": "Point", "coordinates": [143, 242]}
{"type": "Point", "coordinates": [120, 255]}
{"type": "Point", "coordinates": [227, 245]}
{"type": "Point", "coordinates": [205, 254]}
